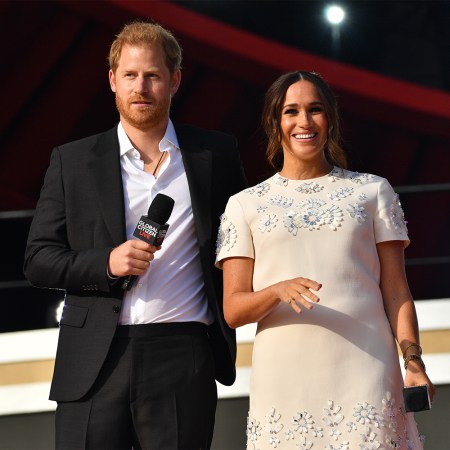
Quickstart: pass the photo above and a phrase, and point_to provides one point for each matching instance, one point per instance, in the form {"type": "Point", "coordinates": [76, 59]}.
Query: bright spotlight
{"type": "Point", "coordinates": [334, 14]}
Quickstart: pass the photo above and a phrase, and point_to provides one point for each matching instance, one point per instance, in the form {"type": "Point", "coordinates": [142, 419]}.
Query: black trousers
{"type": "Point", "coordinates": [155, 391]}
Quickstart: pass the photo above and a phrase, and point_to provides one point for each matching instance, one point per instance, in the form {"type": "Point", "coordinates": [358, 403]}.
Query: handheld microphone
{"type": "Point", "coordinates": [152, 228]}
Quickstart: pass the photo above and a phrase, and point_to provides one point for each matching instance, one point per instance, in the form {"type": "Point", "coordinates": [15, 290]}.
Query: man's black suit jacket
{"type": "Point", "coordinates": [80, 217]}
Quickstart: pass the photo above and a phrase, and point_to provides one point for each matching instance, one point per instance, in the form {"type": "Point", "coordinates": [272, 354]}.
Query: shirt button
{"type": "Point", "coordinates": [116, 309]}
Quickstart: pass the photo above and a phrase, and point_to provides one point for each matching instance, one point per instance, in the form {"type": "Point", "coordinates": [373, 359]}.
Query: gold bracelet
{"type": "Point", "coordinates": [414, 357]}
{"type": "Point", "coordinates": [412, 345]}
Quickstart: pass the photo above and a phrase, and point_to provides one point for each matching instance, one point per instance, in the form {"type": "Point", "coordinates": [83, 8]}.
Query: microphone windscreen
{"type": "Point", "coordinates": [160, 208]}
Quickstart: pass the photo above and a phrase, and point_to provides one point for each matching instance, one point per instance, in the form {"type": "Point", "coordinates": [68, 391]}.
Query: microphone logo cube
{"type": "Point", "coordinates": [151, 232]}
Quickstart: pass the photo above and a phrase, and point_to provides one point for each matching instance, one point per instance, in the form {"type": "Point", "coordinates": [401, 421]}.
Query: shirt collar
{"type": "Point", "coordinates": [125, 144]}
{"type": "Point", "coordinates": [168, 142]}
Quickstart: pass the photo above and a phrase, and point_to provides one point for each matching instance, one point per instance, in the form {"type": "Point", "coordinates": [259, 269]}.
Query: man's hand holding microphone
{"type": "Point", "coordinates": [133, 257]}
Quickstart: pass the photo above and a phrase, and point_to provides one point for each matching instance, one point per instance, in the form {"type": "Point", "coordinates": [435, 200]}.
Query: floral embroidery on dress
{"type": "Point", "coordinates": [369, 440]}
{"type": "Point", "coordinates": [340, 193]}
{"type": "Point", "coordinates": [289, 435]}
{"type": "Point", "coordinates": [312, 215]}
{"type": "Point", "coordinates": [332, 419]}
{"type": "Point", "coordinates": [397, 215]}
{"type": "Point", "coordinates": [317, 431]}
{"type": "Point", "coordinates": [333, 217]}
{"type": "Point", "coordinates": [281, 181]}
{"type": "Point", "coordinates": [366, 414]}
{"type": "Point", "coordinates": [273, 427]}
{"type": "Point", "coordinates": [362, 197]}
{"type": "Point", "coordinates": [267, 223]}
{"type": "Point", "coordinates": [390, 412]}
{"type": "Point", "coordinates": [335, 433]}
{"type": "Point", "coordinates": [220, 234]}
{"type": "Point", "coordinates": [366, 428]}
{"type": "Point", "coordinates": [260, 189]}
{"type": "Point", "coordinates": [274, 441]}
{"type": "Point", "coordinates": [261, 209]}
{"type": "Point", "coordinates": [359, 178]}
{"type": "Point", "coordinates": [292, 222]}
{"type": "Point", "coordinates": [342, 446]}
{"type": "Point", "coordinates": [355, 177]}
{"type": "Point", "coordinates": [253, 429]}
{"type": "Point", "coordinates": [309, 187]}
{"type": "Point", "coordinates": [393, 442]}
{"type": "Point", "coordinates": [302, 422]}
{"type": "Point", "coordinates": [357, 212]}
{"type": "Point", "coordinates": [281, 201]}
{"type": "Point", "coordinates": [304, 443]}
{"type": "Point", "coordinates": [227, 235]}
{"type": "Point", "coordinates": [333, 415]}
{"type": "Point", "coordinates": [335, 174]}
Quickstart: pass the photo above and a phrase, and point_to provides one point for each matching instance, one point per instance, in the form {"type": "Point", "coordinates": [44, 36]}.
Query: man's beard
{"type": "Point", "coordinates": [143, 118]}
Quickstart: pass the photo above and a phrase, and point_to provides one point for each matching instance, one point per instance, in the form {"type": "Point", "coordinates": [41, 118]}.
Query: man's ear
{"type": "Point", "coordinates": [112, 80]}
{"type": "Point", "coordinates": [175, 82]}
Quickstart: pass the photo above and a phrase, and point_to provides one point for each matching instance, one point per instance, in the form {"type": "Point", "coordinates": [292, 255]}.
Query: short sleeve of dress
{"type": "Point", "coordinates": [234, 237]}
{"type": "Point", "coordinates": [389, 221]}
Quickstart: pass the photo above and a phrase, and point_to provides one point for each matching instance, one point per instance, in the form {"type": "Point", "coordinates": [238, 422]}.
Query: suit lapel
{"type": "Point", "coordinates": [198, 165]}
{"type": "Point", "coordinates": [106, 173]}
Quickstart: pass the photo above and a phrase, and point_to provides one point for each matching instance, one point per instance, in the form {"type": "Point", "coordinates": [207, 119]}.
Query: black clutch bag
{"type": "Point", "coordinates": [416, 398]}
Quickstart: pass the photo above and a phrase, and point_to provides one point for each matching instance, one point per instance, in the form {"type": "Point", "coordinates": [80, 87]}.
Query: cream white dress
{"type": "Point", "coordinates": [329, 378]}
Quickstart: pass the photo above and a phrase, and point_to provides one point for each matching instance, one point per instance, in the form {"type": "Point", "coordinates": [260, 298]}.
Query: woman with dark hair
{"type": "Point", "coordinates": [325, 374]}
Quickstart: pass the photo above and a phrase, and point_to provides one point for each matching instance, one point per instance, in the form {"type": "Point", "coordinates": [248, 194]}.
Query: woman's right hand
{"type": "Point", "coordinates": [242, 305]}
{"type": "Point", "coordinates": [298, 293]}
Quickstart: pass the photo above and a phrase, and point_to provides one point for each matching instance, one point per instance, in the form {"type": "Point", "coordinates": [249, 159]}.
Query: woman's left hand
{"type": "Point", "coordinates": [416, 375]}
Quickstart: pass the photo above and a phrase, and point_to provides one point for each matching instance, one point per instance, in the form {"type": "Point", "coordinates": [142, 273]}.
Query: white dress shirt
{"type": "Point", "coordinates": [172, 289]}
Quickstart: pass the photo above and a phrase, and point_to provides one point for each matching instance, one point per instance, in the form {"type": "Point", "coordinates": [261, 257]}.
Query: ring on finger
{"type": "Point", "coordinates": [289, 301]}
